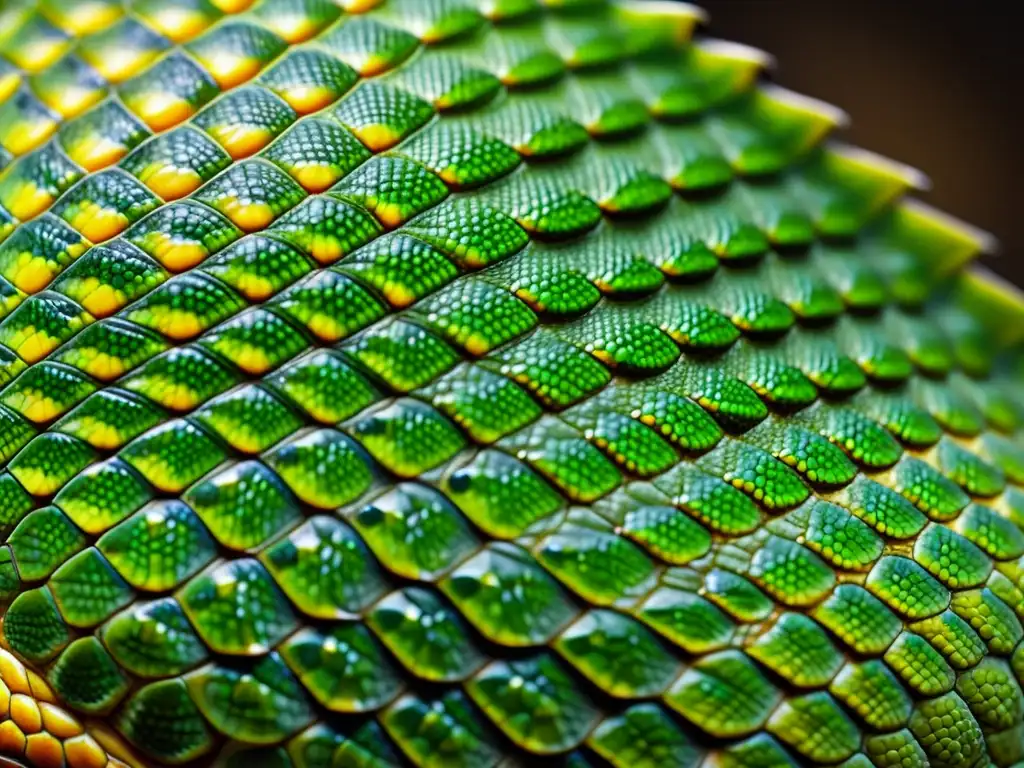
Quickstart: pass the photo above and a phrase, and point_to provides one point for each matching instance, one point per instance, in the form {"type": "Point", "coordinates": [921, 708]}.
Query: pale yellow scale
{"type": "Point", "coordinates": [96, 152]}
{"type": "Point", "coordinates": [315, 177]}
{"type": "Point", "coordinates": [306, 99]}
{"type": "Point", "coordinates": [24, 135]}
{"type": "Point", "coordinates": [174, 253]}
{"type": "Point", "coordinates": [160, 110]}
{"type": "Point", "coordinates": [247, 216]}
{"type": "Point", "coordinates": [118, 64]}
{"type": "Point", "coordinates": [25, 199]}
{"type": "Point", "coordinates": [178, 24]}
{"type": "Point", "coordinates": [96, 222]}
{"type": "Point", "coordinates": [170, 182]}
{"type": "Point", "coordinates": [241, 141]}
{"type": "Point", "coordinates": [229, 69]}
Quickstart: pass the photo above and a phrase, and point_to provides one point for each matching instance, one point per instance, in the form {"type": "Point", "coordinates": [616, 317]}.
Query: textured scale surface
{"type": "Point", "coordinates": [485, 383]}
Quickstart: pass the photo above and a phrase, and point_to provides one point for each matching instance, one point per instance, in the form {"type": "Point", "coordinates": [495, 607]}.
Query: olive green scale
{"type": "Point", "coordinates": [486, 383]}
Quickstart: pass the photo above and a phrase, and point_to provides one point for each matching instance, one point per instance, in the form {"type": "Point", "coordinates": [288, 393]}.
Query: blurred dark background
{"type": "Point", "coordinates": [938, 85]}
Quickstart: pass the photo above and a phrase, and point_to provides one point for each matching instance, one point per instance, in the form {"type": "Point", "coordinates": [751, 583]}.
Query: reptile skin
{"type": "Point", "coordinates": [485, 383]}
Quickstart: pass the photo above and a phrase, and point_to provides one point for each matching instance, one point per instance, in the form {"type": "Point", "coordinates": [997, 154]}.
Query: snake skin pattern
{"type": "Point", "coordinates": [485, 383]}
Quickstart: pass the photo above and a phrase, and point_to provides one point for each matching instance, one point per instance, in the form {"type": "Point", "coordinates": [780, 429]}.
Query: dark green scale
{"type": "Point", "coordinates": [797, 649]}
{"type": "Point", "coordinates": [46, 380]}
{"type": "Point", "coordinates": [400, 268]}
{"type": "Point", "coordinates": [159, 546]}
{"type": "Point", "coordinates": [47, 172]}
{"type": "Point", "coordinates": [185, 306]}
{"type": "Point", "coordinates": [87, 589]}
{"type": "Point", "coordinates": [102, 495]}
{"type": "Point", "coordinates": [278, 707]}
{"type": "Point", "coordinates": [627, 441]}
{"type": "Point", "coordinates": [663, 531]}
{"type": "Point", "coordinates": [180, 378]}
{"type": "Point", "coordinates": [326, 569]}
{"type": "Point", "coordinates": [246, 109]}
{"type": "Point", "coordinates": [345, 669]}
{"type": "Point", "coordinates": [393, 188]}
{"type": "Point", "coordinates": [755, 472]}
{"type": "Point", "coordinates": [257, 267]}
{"type": "Point", "coordinates": [462, 157]}
{"type": "Point", "coordinates": [781, 385]}
{"type": "Point", "coordinates": [153, 639]}
{"type": "Point", "coordinates": [485, 404]}
{"type": "Point", "coordinates": [326, 228]}
{"type": "Point", "coordinates": [445, 729]}
{"type": "Point", "coordinates": [711, 501]}
{"type": "Point", "coordinates": [44, 539]}
{"type": "Point", "coordinates": [243, 505]}
{"type": "Point", "coordinates": [546, 285]}
{"type": "Point", "coordinates": [415, 532]}
{"type": "Point", "coordinates": [48, 239]}
{"type": "Point", "coordinates": [255, 341]}
{"type": "Point", "coordinates": [584, 553]}
{"type": "Point", "coordinates": [173, 456]}
{"type": "Point", "coordinates": [365, 42]}
{"type": "Point", "coordinates": [211, 600]}
{"type": "Point", "coordinates": [990, 617]}
{"type": "Point", "coordinates": [874, 693]}
{"type": "Point", "coordinates": [401, 354]}
{"type": "Point", "coordinates": [686, 619]}
{"type": "Point", "coordinates": [834, 533]}
{"type": "Point", "coordinates": [931, 492]}
{"type": "Point", "coordinates": [323, 468]}
{"type": "Point", "coordinates": [34, 627]}
{"type": "Point", "coordinates": [426, 635]}
{"type": "Point", "coordinates": [329, 305]}
{"type": "Point", "coordinates": [830, 734]}
{"type": "Point", "coordinates": [182, 224]}
{"type": "Point", "coordinates": [16, 502]}
{"type": "Point", "coordinates": [310, 382]}
{"type": "Point", "coordinates": [49, 461]}
{"type": "Point", "coordinates": [317, 144]}
{"type": "Point", "coordinates": [552, 370]}
{"type": "Point", "coordinates": [408, 438]}
{"type": "Point", "coordinates": [471, 234]}
{"type": "Point", "coordinates": [310, 69]}
{"type": "Point", "coordinates": [88, 678]}
{"type": "Point", "coordinates": [108, 277]}
{"type": "Point", "coordinates": [380, 114]}
{"type": "Point", "coordinates": [724, 694]}
{"type": "Point", "coordinates": [504, 593]}
{"type": "Point", "coordinates": [561, 454]}
{"type": "Point", "coordinates": [238, 38]}
{"type": "Point", "coordinates": [812, 456]}
{"type": "Point", "coordinates": [109, 419]}
{"type": "Point", "coordinates": [644, 734]}
{"type": "Point", "coordinates": [640, 349]}
{"type": "Point", "coordinates": [560, 716]}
